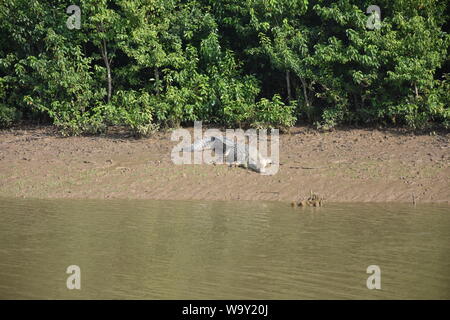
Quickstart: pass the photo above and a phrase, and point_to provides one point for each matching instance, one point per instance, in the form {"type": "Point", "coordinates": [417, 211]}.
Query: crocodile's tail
{"type": "Point", "coordinates": [200, 145]}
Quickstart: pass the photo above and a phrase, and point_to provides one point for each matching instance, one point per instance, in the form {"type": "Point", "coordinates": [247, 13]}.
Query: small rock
{"type": "Point", "coordinates": [303, 203]}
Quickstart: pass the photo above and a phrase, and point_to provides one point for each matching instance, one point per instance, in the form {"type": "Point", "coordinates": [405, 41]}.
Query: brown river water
{"type": "Point", "coordinates": [128, 249]}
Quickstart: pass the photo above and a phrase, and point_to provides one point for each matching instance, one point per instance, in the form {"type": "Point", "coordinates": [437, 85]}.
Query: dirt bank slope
{"type": "Point", "coordinates": [355, 165]}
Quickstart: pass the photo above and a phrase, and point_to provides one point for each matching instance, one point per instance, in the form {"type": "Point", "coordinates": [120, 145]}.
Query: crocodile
{"type": "Point", "coordinates": [236, 154]}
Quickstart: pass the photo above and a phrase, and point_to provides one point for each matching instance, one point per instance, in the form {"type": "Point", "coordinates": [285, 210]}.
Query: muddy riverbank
{"type": "Point", "coordinates": [352, 165]}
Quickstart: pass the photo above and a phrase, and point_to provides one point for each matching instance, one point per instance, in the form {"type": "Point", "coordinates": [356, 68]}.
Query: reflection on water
{"type": "Point", "coordinates": [222, 250]}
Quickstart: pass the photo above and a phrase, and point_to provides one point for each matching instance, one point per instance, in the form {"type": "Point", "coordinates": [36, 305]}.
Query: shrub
{"type": "Point", "coordinates": [7, 116]}
{"type": "Point", "coordinates": [134, 110]}
{"type": "Point", "coordinates": [273, 114]}
{"type": "Point", "coordinates": [143, 65]}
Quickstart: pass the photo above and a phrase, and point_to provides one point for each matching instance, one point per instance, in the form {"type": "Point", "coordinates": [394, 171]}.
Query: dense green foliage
{"type": "Point", "coordinates": [249, 63]}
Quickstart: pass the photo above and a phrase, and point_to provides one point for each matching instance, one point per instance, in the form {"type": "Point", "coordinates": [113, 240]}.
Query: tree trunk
{"type": "Point", "coordinates": [288, 86]}
{"type": "Point", "coordinates": [305, 91]}
{"type": "Point", "coordinates": [355, 100]}
{"type": "Point", "coordinates": [104, 51]}
{"type": "Point", "coordinates": [157, 80]}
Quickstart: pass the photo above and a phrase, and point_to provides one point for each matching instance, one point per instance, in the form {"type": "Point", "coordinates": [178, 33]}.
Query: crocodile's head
{"type": "Point", "coordinates": [264, 163]}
